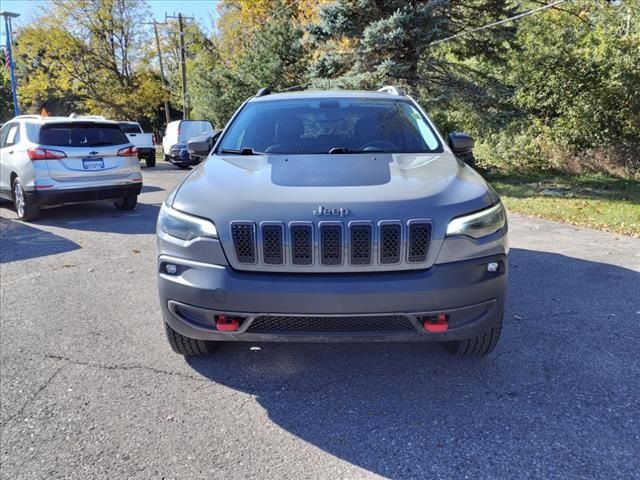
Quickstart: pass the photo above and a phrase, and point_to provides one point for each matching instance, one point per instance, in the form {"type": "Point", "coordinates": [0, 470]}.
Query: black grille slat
{"type": "Point", "coordinates": [361, 244]}
{"type": "Point", "coordinates": [347, 324]}
{"type": "Point", "coordinates": [301, 245]}
{"type": "Point", "coordinates": [331, 244]}
{"type": "Point", "coordinates": [390, 242]}
{"type": "Point", "coordinates": [419, 238]}
{"type": "Point", "coordinates": [272, 244]}
{"type": "Point", "coordinates": [244, 241]}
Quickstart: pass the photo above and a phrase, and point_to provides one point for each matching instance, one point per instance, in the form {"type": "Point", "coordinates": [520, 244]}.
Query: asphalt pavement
{"type": "Point", "coordinates": [90, 389]}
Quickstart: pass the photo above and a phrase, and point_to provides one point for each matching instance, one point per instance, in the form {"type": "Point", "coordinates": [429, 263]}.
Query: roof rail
{"type": "Point", "coordinates": [94, 117]}
{"type": "Point", "coordinates": [391, 89]}
{"type": "Point", "coordinates": [26, 116]}
{"type": "Point", "coordinates": [263, 91]}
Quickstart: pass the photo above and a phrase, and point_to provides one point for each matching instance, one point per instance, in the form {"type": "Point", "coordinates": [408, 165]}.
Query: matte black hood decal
{"type": "Point", "coordinates": [331, 170]}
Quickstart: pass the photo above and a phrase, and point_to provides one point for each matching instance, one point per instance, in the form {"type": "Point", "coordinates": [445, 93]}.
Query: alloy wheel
{"type": "Point", "coordinates": [18, 198]}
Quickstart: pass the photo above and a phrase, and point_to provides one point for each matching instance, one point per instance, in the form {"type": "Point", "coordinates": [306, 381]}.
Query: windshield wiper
{"type": "Point", "coordinates": [372, 150]}
{"type": "Point", "coordinates": [339, 150]}
{"type": "Point", "coordinates": [244, 151]}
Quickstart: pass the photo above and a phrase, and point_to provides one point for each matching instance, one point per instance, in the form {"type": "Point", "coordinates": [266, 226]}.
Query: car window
{"type": "Point", "coordinates": [82, 134]}
{"type": "Point", "coordinates": [345, 125]}
{"type": "Point", "coordinates": [130, 127]}
{"type": "Point", "coordinates": [32, 130]}
{"type": "Point", "coordinates": [193, 128]}
{"type": "Point", "coordinates": [13, 135]}
{"type": "Point", "coordinates": [3, 133]}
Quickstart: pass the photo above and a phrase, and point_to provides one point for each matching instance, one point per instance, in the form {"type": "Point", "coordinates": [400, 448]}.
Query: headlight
{"type": "Point", "coordinates": [183, 226]}
{"type": "Point", "coordinates": [479, 224]}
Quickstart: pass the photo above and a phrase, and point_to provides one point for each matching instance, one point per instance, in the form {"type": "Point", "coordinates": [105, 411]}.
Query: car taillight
{"type": "Point", "coordinates": [128, 152]}
{"type": "Point", "coordinates": [39, 153]}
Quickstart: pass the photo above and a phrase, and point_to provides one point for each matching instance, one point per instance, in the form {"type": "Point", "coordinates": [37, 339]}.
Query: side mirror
{"type": "Point", "coordinates": [200, 146]}
{"type": "Point", "coordinates": [461, 144]}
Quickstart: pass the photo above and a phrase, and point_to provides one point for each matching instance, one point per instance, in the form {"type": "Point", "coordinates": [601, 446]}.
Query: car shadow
{"type": "Point", "coordinates": [102, 217]}
{"type": "Point", "coordinates": [543, 402]}
{"type": "Point", "coordinates": [19, 241]}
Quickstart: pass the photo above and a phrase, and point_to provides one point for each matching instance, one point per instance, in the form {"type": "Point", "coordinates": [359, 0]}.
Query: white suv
{"type": "Point", "coordinates": [47, 161]}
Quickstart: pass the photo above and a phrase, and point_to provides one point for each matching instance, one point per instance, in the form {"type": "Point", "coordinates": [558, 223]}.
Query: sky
{"type": "Point", "coordinates": [204, 11]}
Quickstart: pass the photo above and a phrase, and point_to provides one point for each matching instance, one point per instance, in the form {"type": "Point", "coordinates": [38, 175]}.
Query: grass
{"type": "Point", "coordinates": [594, 201]}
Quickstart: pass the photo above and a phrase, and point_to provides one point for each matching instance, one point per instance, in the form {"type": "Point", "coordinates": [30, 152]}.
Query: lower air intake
{"type": "Point", "coordinates": [355, 324]}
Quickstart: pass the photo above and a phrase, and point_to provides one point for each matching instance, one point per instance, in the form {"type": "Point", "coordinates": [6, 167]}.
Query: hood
{"type": "Point", "coordinates": [359, 187]}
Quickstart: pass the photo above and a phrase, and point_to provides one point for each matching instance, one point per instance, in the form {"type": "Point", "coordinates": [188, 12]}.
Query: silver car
{"type": "Point", "coordinates": [333, 216]}
{"type": "Point", "coordinates": [47, 161]}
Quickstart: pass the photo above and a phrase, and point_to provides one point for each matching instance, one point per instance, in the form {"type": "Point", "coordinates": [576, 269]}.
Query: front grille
{"type": "Point", "coordinates": [390, 243]}
{"type": "Point", "coordinates": [341, 245]}
{"type": "Point", "coordinates": [419, 238]}
{"type": "Point", "coordinates": [361, 244]}
{"type": "Point", "coordinates": [349, 324]}
{"type": "Point", "coordinates": [244, 240]}
{"type": "Point", "coordinates": [331, 244]}
{"type": "Point", "coordinates": [272, 244]}
{"type": "Point", "coordinates": [302, 244]}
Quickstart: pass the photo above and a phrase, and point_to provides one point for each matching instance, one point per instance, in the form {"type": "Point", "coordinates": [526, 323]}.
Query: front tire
{"type": "Point", "coordinates": [25, 210]}
{"type": "Point", "coordinates": [188, 347]}
{"type": "Point", "coordinates": [128, 202]}
{"type": "Point", "coordinates": [166, 157]}
{"type": "Point", "coordinates": [480, 345]}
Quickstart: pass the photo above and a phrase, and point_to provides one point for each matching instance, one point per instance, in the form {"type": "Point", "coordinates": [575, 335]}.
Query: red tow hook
{"type": "Point", "coordinates": [226, 324]}
{"type": "Point", "coordinates": [439, 324]}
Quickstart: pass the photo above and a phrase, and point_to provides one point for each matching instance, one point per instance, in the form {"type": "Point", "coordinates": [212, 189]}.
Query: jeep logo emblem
{"type": "Point", "coordinates": [335, 212]}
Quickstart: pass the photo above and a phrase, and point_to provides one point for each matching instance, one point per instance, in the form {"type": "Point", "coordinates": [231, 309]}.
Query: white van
{"type": "Point", "coordinates": [180, 131]}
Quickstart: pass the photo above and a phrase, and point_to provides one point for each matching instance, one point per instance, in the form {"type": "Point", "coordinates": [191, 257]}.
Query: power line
{"type": "Point", "coordinates": [499, 22]}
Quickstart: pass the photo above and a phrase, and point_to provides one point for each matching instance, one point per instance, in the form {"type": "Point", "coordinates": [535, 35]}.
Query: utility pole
{"type": "Point", "coordinates": [183, 66]}
{"type": "Point", "coordinates": [162, 79]}
{"type": "Point", "coordinates": [14, 87]}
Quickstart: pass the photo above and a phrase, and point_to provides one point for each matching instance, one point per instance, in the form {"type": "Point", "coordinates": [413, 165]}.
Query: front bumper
{"type": "Point", "coordinates": [81, 195]}
{"type": "Point", "coordinates": [465, 291]}
{"type": "Point", "coordinates": [180, 157]}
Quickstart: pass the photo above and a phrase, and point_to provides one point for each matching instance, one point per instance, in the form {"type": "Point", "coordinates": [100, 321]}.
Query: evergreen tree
{"type": "Point", "coordinates": [367, 43]}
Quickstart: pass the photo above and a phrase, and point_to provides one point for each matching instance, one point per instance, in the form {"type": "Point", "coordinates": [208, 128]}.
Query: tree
{"type": "Point", "coordinates": [6, 100]}
{"type": "Point", "coordinates": [87, 56]}
{"type": "Point", "coordinates": [582, 78]}
{"type": "Point", "coordinates": [272, 54]}
{"type": "Point", "coordinates": [575, 74]}
{"type": "Point", "coordinates": [369, 42]}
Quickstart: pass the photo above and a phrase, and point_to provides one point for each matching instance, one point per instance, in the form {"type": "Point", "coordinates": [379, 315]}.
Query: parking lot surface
{"type": "Point", "coordinates": [90, 388]}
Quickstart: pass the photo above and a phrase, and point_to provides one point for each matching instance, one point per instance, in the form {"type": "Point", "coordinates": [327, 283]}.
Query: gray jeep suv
{"type": "Point", "coordinates": [333, 216]}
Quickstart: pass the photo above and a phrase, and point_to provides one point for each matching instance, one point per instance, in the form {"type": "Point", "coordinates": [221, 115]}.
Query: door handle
{"type": "Point", "coordinates": [11, 152]}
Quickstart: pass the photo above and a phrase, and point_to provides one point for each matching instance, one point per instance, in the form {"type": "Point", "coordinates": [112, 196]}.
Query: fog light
{"type": "Point", "coordinates": [171, 269]}
{"type": "Point", "coordinates": [493, 266]}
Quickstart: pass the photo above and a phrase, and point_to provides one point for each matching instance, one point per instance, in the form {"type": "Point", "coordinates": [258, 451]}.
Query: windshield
{"type": "Point", "coordinates": [130, 127]}
{"type": "Point", "coordinates": [81, 134]}
{"type": "Point", "coordinates": [317, 126]}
